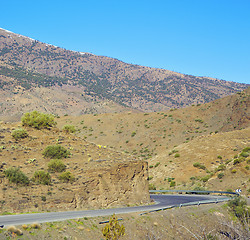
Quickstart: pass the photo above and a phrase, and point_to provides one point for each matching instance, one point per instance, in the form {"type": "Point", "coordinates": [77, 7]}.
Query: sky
{"type": "Point", "coordinates": [208, 38]}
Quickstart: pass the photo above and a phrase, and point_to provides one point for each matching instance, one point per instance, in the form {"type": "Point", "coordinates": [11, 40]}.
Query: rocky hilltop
{"type": "Point", "coordinates": [38, 75]}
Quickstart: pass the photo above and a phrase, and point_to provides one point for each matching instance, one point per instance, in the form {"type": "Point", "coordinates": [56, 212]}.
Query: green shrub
{"type": "Point", "coordinates": [19, 133]}
{"type": "Point", "coordinates": [42, 177]}
{"type": "Point", "coordinates": [56, 152]}
{"type": "Point", "coordinates": [233, 171]}
{"type": "Point", "coordinates": [220, 175]}
{"type": "Point", "coordinates": [220, 168]}
{"type": "Point", "coordinates": [206, 178]}
{"type": "Point", "coordinates": [229, 160]}
{"type": "Point", "coordinates": [151, 186]}
{"type": "Point", "coordinates": [199, 165]}
{"type": "Point", "coordinates": [56, 165]}
{"type": "Point", "coordinates": [177, 155]}
{"type": "Point", "coordinates": [172, 184]}
{"type": "Point", "coordinates": [69, 128]}
{"type": "Point", "coordinates": [133, 134]}
{"type": "Point", "coordinates": [219, 157]}
{"type": "Point", "coordinates": [43, 198]}
{"type": "Point", "coordinates": [247, 149]}
{"type": "Point", "coordinates": [38, 120]}
{"type": "Point", "coordinates": [236, 161]}
{"type": "Point", "coordinates": [244, 154]}
{"type": "Point", "coordinates": [170, 179]}
{"type": "Point", "coordinates": [173, 151]}
{"type": "Point", "coordinates": [15, 175]}
{"type": "Point", "coordinates": [157, 164]}
{"type": "Point", "coordinates": [199, 120]}
{"type": "Point", "coordinates": [67, 177]}
{"type": "Point", "coordinates": [239, 208]}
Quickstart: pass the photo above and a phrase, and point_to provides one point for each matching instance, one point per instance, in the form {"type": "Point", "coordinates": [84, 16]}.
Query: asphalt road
{"type": "Point", "coordinates": [162, 201]}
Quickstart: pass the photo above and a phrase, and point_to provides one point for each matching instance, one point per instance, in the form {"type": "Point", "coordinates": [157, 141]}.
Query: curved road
{"type": "Point", "coordinates": [162, 201]}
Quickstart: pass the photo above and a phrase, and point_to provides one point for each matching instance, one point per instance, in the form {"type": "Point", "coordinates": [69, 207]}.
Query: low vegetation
{"type": "Point", "coordinates": [56, 152]}
{"type": "Point", "coordinates": [239, 207]}
{"type": "Point", "coordinates": [42, 177]}
{"type": "Point", "coordinates": [38, 120]}
{"type": "Point", "coordinates": [69, 128]}
{"type": "Point", "coordinates": [113, 230]}
{"type": "Point", "coordinates": [220, 175]}
{"type": "Point", "coordinates": [151, 186]}
{"type": "Point", "coordinates": [15, 175]}
{"type": "Point", "coordinates": [19, 134]}
{"type": "Point", "coordinates": [67, 177]}
{"type": "Point", "coordinates": [56, 165]}
{"type": "Point", "coordinates": [199, 165]}
{"type": "Point", "coordinates": [220, 168]}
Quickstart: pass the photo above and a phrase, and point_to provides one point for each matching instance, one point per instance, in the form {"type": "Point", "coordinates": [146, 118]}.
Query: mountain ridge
{"type": "Point", "coordinates": [29, 63]}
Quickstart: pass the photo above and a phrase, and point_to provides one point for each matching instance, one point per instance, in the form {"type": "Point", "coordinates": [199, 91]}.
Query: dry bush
{"type": "Point", "coordinates": [25, 226]}
{"type": "Point", "coordinates": [36, 225]}
{"type": "Point", "coordinates": [19, 232]}
{"type": "Point", "coordinates": [12, 229]}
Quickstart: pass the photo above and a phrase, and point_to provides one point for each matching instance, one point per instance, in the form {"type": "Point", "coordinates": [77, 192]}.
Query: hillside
{"type": "Point", "coordinates": [31, 70]}
{"type": "Point", "coordinates": [92, 170]}
{"type": "Point", "coordinates": [198, 133]}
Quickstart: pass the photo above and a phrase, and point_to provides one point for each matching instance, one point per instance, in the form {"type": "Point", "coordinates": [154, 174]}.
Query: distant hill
{"type": "Point", "coordinates": [35, 75]}
{"type": "Point", "coordinates": [160, 130]}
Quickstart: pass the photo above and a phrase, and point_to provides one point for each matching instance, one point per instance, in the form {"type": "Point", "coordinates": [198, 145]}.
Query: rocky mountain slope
{"type": "Point", "coordinates": [86, 82]}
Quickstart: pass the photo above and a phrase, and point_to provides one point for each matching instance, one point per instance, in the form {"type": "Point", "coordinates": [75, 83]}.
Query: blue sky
{"type": "Point", "coordinates": [198, 37]}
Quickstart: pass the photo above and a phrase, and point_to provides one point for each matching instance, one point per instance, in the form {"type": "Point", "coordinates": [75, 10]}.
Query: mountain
{"type": "Point", "coordinates": [35, 75]}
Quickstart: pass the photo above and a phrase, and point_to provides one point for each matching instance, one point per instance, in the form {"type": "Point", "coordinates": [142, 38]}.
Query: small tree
{"type": "Point", "coordinates": [113, 230]}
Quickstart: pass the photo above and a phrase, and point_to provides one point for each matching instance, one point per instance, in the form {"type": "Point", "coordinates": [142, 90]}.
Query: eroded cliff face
{"type": "Point", "coordinates": [120, 184]}
{"type": "Point", "coordinates": [117, 185]}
